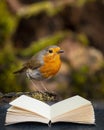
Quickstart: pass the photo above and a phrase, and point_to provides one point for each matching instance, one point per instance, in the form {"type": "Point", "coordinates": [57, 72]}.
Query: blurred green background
{"type": "Point", "coordinates": [77, 26]}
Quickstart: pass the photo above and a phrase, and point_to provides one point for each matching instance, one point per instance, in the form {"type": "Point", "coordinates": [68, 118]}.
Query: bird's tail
{"type": "Point", "coordinates": [20, 71]}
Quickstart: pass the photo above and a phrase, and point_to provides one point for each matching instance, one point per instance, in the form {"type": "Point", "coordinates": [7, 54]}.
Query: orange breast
{"type": "Point", "coordinates": [51, 66]}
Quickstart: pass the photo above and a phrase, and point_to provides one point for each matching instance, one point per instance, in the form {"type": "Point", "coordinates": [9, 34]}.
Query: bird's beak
{"type": "Point", "coordinates": [60, 51]}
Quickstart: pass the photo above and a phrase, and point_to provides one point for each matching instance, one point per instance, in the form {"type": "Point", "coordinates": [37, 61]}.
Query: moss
{"type": "Point", "coordinates": [7, 22]}
{"type": "Point", "coordinates": [8, 82]}
{"type": "Point", "coordinates": [82, 39]}
{"type": "Point", "coordinates": [48, 7]}
{"type": "Point", "coordinates": [42, 43]}
{"type": "Point", "coordinates": [42, 96]}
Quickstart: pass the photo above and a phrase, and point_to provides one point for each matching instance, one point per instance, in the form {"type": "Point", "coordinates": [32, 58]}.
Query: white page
{"type": "Point", "coordinates": [67, 105]}
{"type": "Point", "coordinates": [33, 105]}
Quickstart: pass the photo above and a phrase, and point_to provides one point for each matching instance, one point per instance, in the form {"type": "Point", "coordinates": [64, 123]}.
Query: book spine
{"type": "Point", "coordinates": [49, 123]}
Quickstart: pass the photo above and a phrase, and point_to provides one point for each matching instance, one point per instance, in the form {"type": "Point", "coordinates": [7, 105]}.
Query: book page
{"type": "Point", "coordinates": [67, 105]}
{"type": "Point", "coordinates": [13, 117]}
{"type": "Point", "coordinates": [33, 105]}
{"type": "Point", "coordinates": [84, 114]}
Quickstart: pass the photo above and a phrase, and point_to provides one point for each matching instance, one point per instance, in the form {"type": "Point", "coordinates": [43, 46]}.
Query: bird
{"type": "Point", "coordinates": [43, 65]}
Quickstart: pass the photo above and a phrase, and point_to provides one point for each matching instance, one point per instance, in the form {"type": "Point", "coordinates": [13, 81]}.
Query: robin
{"type": "Point", "coordinates": [44, 65]}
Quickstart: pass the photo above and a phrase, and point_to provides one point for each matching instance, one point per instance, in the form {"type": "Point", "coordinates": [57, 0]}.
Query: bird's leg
{"type": "Point", "coordinates": [43, 85]}
{"type": "Point", "coordinates": [29, 77]}
{"type": "Point", "coordinates": [46, 90]}
{"type": "Point", "coordinates": [34, 84]}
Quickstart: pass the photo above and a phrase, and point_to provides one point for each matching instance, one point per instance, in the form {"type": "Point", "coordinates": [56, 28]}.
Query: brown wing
{"type": "Point", "coordinates": [30, 64]}
{"type": "Point", "coordinates": [34, 63]}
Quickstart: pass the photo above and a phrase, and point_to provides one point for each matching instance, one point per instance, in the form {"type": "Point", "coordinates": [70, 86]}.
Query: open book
{"type": "Point", "coordinates": [26, 109]}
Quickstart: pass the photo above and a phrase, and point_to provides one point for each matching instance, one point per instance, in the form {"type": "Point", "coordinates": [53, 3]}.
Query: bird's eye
{"type": "Point", "coordinates": [50, 51]}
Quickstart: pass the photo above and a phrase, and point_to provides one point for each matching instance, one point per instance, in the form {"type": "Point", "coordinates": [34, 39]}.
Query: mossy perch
{"type": "Point", "coordinates": [43, 96]}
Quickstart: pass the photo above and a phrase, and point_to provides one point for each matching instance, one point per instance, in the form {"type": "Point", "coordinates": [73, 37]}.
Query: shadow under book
{"type": "Point", "coordinates": [26, 109]}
